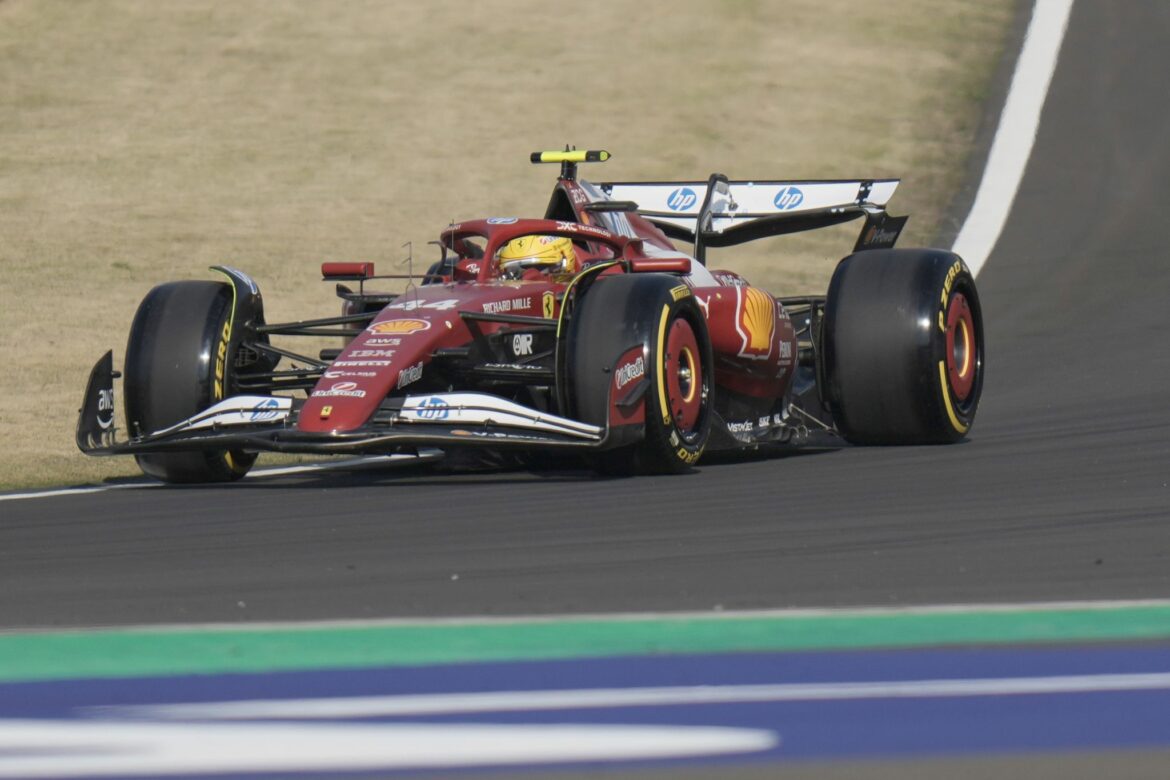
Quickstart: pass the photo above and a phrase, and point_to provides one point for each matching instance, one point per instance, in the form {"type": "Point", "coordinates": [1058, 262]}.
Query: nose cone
{"type": "Point", "coordinates": [389, 355]}
{"type": "Point", "coordinates": [392, 353]}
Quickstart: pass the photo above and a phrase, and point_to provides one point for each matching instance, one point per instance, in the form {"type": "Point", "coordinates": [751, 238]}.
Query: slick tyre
{"type": "Point", "coordinates": [178, 363]}
{"type": "Point", "coordinates": [903, 352]}
{"type": "Point", "coordinates": [654, 318]}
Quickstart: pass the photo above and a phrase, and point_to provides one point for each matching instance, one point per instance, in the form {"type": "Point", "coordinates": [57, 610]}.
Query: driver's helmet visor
{"type": "Point", "coordinates": [555, 253]}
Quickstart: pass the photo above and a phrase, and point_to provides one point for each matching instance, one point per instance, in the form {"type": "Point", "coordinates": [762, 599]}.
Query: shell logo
{"type": "Point", "coordinates": [399, 327]}
{"type": "Point", "coordinates": [756, 323]}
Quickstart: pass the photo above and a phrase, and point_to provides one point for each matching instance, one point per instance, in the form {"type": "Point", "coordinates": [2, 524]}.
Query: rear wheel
{"type": "Point", "coordinates": [903, 347]}
{"type": "Point", "coordinates": [178, 363]}
{"type": "Point", "coordinates": [645, 336]}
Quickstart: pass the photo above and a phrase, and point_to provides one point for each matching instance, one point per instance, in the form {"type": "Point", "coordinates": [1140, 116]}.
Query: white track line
{"type": "Point", "coordinates": [432, 704]}
{"type": "Point", "coordinates": [1016, 133]}
{"type": "Point", "coordinates": [615, 617]}
{"type": "Point", "coordinates": [49, 748]}
{"type": "Point", "coordinates": [277, 471]}
{"type": "Point", "coordinates": [79, 491]}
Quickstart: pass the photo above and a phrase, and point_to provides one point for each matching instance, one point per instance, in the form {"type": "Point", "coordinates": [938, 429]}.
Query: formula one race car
{"type": "Point", "coordinates": [586, 331]}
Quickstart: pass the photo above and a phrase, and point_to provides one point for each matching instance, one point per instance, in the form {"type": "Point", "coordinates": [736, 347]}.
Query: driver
{"type": "Point", "coordinates": [551, 254]}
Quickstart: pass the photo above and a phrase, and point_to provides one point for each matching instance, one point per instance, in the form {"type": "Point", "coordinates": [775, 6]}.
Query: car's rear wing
{"type": "Point", "coordinates": [720, 212]}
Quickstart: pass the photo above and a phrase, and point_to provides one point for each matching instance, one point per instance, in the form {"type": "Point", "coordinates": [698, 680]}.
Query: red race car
{"type": "Point", "coordinates": [587, 330]}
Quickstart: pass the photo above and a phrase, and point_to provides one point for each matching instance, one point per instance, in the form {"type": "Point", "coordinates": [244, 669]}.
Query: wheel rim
{"type": "Point", "coordinates": [961, 352]}
{"type": "Point", "coordinates": [684, 376]}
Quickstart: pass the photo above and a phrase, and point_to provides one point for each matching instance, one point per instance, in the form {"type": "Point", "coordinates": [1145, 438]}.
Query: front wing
{"type": "Point", "coordinates": [268, 423]}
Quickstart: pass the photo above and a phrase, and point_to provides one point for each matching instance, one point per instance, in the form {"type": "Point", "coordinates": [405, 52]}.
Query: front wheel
{"type": "Point", "coordinates": [644, 335]}
{"type": "Point", "coordinates": [178, 363]}
{"type": "Point", "coordinates": [903, 347]}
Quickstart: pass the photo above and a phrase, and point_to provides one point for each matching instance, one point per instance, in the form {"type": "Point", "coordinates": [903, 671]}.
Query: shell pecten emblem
{"type": "Point", "coordinates": [755, 322]}
{"type": "Point", "coordinates": [401, 327]}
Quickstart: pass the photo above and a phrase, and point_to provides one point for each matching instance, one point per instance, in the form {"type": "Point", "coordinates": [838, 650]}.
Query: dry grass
{"type": "Point", "coordinates": [143, 141]}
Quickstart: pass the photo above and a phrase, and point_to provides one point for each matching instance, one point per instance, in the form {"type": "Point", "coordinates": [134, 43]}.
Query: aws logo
{"type": "Point", "coordinates": [681, 199]}
{"type": "Point", "coordinates": [755, 322]}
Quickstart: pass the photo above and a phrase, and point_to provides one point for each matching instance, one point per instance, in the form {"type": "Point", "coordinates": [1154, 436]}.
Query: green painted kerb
{"type": "Point", "coordinates": [145, 652]}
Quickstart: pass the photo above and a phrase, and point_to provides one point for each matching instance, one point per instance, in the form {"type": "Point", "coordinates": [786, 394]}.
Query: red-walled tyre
{"type": "Point", "coordinates": [176, 366]}
{"type": "Point", "coordinates": [656, 313]}
{"type": "Point", "coordinates": [903, 351]}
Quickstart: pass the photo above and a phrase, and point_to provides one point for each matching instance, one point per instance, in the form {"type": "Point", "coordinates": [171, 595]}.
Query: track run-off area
{"type": "Point", "coordinates": [662, 691]}
{"type": "Point", "coordinates": [766, 617]}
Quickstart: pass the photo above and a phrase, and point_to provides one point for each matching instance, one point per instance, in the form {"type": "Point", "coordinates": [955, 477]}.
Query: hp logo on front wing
{"type": "Point", "coordinates": [434, 409]}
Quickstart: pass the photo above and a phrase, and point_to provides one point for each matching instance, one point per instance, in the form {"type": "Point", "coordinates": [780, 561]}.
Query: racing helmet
{"type": "Point", "coordinates": [549, 253]}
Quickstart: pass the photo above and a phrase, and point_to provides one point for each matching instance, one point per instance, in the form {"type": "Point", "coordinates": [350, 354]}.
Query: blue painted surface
{"type": "Point", "coordinates": [899, 727]}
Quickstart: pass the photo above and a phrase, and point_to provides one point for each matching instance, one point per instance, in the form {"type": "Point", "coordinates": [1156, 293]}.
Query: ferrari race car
{"type": "Point", "coordinates": [587, 331]}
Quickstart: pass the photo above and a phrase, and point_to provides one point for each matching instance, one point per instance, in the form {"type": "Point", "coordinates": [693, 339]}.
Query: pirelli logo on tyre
{"type": "Point", "coordinates": [948, 283]}
{"type": "Point", "coordinates": [399, 327]}
{"type": "Point", "coordinates": [755, 322]}
{"type": "Point", "coordinates": [225, 338]}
